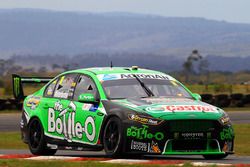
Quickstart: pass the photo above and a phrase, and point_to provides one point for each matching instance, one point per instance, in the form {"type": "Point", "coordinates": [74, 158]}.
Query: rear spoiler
{"type": "Point", "coordinates": [17, 82]}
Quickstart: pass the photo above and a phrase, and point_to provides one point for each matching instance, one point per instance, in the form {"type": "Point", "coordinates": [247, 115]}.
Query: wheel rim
{"type": "Point", "coordinates": [35, 134]}
{"type": "Point", "coordinates": [112, 136]}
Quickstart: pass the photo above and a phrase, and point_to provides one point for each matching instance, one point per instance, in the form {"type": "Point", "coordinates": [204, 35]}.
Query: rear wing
{"type": "Point", "coordinates": [17, 83]}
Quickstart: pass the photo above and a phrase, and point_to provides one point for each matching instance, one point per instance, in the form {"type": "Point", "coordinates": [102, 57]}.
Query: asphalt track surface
{"type": "Point", "coordinates": [10, 122]}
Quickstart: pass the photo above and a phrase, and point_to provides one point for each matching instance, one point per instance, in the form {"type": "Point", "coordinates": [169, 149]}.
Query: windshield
{"type": "Point", "coordinates": [131, 88]}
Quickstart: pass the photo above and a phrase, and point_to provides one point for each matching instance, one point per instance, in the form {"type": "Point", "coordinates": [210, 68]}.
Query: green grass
{"type": "Point", "coordinates": [9, 111]}
{"type": "Point", "coordinates": [235, 109]}
{"type": "Point", "coordinates": [11, 140]}
{"type": "Point", "coordinates": [242, 142]}
{"type": "Point", "coordinates": [219, 89]}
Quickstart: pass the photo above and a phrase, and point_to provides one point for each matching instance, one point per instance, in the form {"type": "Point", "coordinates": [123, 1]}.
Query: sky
{"type": "Point", "coordinates": [227, 10]}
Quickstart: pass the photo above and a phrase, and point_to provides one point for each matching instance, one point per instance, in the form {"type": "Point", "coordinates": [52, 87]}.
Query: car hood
{"type": "Point", "coordinates": [172, 108]}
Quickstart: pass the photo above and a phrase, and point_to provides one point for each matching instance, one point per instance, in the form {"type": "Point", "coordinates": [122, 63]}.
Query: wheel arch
{"type": "Point", "coordinates": [105, 121]}
{"type": "Point", "coordinates": [35, 117]}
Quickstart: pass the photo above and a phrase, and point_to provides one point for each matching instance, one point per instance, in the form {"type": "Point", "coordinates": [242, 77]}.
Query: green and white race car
{"type": "Point", "coordinates": [121, 110]}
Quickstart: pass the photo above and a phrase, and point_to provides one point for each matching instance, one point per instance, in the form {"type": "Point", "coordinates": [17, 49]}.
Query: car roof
{"type": "Point", "coordinates": [114, 70]}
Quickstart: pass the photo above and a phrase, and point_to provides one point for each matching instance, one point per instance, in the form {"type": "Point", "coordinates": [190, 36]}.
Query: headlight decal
{"type": "Point", "coordinates": [224, 120]}
{"type": "Point", "coordinates": [144, 119]}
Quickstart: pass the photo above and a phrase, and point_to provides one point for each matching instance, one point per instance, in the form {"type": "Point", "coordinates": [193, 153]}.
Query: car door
{"type": "Point", "coordinates": [58, 106]}
{"type": "Point", "coordinates": [89, 116]}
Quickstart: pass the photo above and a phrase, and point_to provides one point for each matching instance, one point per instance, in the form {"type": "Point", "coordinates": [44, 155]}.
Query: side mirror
{"type": "Point", "coordinates": [87, 98]}
{"type": "Point", "coordinates": [197, 96]}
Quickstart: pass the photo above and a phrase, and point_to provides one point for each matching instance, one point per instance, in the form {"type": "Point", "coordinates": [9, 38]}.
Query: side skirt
{"type": "Point", "coordinates": [65, 145]}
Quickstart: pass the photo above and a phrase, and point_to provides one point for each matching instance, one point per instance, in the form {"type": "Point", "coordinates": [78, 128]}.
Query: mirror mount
{"type": "Point", "coordinates": [196, 96]}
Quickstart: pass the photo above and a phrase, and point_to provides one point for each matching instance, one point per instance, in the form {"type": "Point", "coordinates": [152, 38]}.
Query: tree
{"type": "Point", "coordinates": [188, 64]}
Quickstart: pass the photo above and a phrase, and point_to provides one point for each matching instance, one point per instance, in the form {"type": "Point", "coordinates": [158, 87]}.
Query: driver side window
{"type": "Point", "coordinates": [65, 86]}
{"type": "Point", "coordinates": [84, 85]}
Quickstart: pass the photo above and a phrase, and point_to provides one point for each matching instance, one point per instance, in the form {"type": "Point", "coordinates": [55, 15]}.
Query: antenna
{"type": "Point", "coordinates": [111, 64]}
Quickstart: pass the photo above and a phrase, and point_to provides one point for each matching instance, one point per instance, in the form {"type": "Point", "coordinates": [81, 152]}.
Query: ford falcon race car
{"type": "Point", "coordinates": [121, 110]}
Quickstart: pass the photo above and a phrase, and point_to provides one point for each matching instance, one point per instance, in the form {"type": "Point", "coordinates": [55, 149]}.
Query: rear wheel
{"type": "Point", "coordinates": [112, 138]}
{"type": "Point", "coordinates": [37, 143]}
{"type": "Point", "coordinates": [218, 156]}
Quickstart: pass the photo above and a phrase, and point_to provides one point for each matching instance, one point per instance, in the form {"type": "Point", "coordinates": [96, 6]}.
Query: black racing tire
{"type": "Point", "coordinates": [215, 157]}
{"type": "Point", "coordinates": [113, 137]}
{"type": "Point", "coordinates": [37, 142]}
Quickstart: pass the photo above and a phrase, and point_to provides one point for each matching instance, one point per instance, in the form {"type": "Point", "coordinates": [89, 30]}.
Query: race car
{"type": "Point", "coordinates": [121, 111]}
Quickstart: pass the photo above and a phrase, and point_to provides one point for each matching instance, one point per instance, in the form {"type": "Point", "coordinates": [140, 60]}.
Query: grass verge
{"type": "Point", "coordinates": [235, 109]}
{"type": "Point", "coordinates": [9, 111]}
{"type": "Point", "coordinates": [11, 140]}
{"type": "Point", "coordinates": [242, 142]}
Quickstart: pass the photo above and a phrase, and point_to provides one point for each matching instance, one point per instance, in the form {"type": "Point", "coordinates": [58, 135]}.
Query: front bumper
{"type": "Point", "coordinates": [181, 137]}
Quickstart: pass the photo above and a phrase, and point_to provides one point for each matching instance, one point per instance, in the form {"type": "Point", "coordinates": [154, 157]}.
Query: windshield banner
{"type": "Point", "coordinates": [107, 77]}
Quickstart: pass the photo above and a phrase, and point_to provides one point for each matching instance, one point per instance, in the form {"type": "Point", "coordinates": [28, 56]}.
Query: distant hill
{"type": "Point", "coordinates": [91, 39]}
{"type": "Point", "coordinates": [33, 31]}
{"type": "Point", "coordinates": [157, 62]}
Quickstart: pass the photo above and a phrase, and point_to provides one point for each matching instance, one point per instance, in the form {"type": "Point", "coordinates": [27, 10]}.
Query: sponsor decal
{"type": "Point", "coordinates": [145, 147]}
{"type": "Point", "coordinates": [33, 102]}
{"type": "Point", "coordinates": [143, 133]}
{"type": "Point", "coordinates": [167, 100]}
{"type": "Point", "coordinates": [94, 107]}
{"type": "Point", "coordinates": [66, 125]}
{"type": "Point", "coordinates": [86, 97]}
{"type": "Point", "coordinates": [226, 134]}
{"type": "Point", "coordinates": [86, 106]}
{"type": "Point", "coordinates": [17, 86]}
{"type": "Point", "coordinates": [63, 95]}
{"type": "Point", "coordinates": [144, 76]}
{"type": "Point", "coordinates": [139, 146]}
{"type": "Point", "coordinates": [90, 107]}
{"type": "Point", "coordinates": [100, 114]}
{"type": "Point", "coordinates": [225, 120]}
{"type": "Point", "coordinates": [155, 108]}
{"type": "Point", "coordinates": [227, 146]}
{"type": "Point", "coordinates": [189, 135]}
{"type": "Point", "coordinates": [189, 108]}
{"type": "Point", "coordinates": [182, 108]}
{"type": "Point", "coordinates": [144, 120]}
{"type": "Point", "coordinates": [154, 148]}
{"type": "Point", "coordinates": [107, 77]}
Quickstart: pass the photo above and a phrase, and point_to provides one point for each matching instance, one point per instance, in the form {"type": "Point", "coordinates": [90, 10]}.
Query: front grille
{"type": "Point", "coordinates": [193, 135]}
{"type": "Point", "coordinates": [192, 125]}
{"type": "Point", "coordinates": [189, 145]}
{"type": "Point", "coordinates": [210, 145]}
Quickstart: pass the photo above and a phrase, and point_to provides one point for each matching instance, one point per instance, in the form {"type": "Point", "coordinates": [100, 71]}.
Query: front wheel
{"type": "Point", "coordinates": [112, 138]}
{"type": "Point", "coordinates": [36, 142]}
{"type": "Point", "coordinates": [219, 156]}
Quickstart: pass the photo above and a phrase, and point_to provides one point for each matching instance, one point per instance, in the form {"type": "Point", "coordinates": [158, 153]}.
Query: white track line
{"type": "Point", "coordinates": [209, 164]}
{"type": "Point", "coordinates": [125, 161]}
{"type": "Point", "coordinates": [52, 158]}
